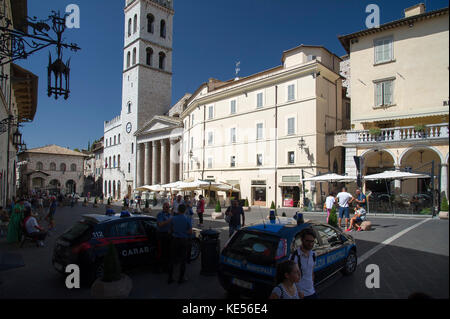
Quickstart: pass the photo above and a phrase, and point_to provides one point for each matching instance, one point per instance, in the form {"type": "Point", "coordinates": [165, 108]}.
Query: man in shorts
{"type": "Point", "coordinates": [358, 218]}
{"type": "Point", "coordinates": [344, 199]}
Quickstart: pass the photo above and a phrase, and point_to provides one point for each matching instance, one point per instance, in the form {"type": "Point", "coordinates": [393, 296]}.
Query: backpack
{"type": "Point", "coordinates": [299, 260]}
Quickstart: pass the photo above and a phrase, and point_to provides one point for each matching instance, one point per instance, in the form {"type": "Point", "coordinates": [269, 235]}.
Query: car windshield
{"type": "Point", "coordinates": [78, 232]}
{"type": "Point", "coordinates": [257, 248]}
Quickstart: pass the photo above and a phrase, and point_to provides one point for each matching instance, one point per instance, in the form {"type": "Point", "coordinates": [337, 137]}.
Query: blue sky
{"type": "Point", "coordinates": [210, 36]}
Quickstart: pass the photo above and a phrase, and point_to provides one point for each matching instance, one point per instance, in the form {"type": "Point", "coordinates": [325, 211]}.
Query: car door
{"type": "Point", "coordinates": [129, 238]}
{"type": "Point", "coordinates": [150, 227]}
{"type": "Point", "coordinates": [332, 248]}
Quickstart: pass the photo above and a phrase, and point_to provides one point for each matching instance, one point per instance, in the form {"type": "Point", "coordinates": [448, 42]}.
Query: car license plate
{"type": "Point", "coordinates": [58, 266]}
{"type": "Point", "coordinates": [242, 283]}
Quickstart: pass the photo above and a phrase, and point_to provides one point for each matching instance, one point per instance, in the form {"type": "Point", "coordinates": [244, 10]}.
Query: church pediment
{"type": "Point", "coordinates": [158, 124]}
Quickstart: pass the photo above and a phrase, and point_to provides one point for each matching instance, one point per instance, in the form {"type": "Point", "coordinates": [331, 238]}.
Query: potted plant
{"type": "Point", "coordinates": [420, 129]}
{"type": "Point", "coordinates": [376, 133]}
{"type": "Point", "coordinates": [246, 206]}
{"type": "Point", "coordinates": [332, 219]}
{"type": "Point", "coordinates": [113, 284]}
{"type": "Point", "coordinates": [155, 201]}
{"type": "Point", "coordinates": [443, 214]}
{"type": "Point", "coordinates": [217, 212]}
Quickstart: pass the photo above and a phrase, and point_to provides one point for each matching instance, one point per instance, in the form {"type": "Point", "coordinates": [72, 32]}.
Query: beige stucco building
{"type": "Point", "coordinates": [399, 84]}
{"type": "Point", "coordinates": [51, 168]}
{"type": "Point", "coordinates": [18, 102]}
{"type": "Point", "coordinates": [246, 131]}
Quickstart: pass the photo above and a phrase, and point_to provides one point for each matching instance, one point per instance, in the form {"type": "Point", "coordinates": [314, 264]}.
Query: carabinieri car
{"type": "Point", "coordinates": [86, 242]}
{"type": "Point", "coordinates": [248, 260]}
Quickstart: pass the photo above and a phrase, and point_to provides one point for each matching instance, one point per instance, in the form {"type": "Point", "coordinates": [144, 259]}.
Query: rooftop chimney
{"type": "Point", "coordinates": [415, 10]}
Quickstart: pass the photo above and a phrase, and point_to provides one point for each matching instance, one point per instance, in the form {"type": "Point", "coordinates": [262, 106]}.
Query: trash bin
{"type": "Point", "coordinates": [210, 250]}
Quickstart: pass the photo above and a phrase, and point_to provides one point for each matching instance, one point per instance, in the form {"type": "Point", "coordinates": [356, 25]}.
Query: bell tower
{"type": "Point", "coordinates": [147, 69]}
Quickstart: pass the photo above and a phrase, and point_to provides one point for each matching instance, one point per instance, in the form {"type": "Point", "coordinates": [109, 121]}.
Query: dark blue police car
{"type": "Point", "coordinates": [248, 260]}
{"type": "Point", "coordinates": [86, 242]}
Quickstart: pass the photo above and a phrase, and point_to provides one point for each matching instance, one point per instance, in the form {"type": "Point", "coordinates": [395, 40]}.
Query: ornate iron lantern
{"type": "Point", "coordinates": [17, 138]}
{"type": "Point", "coordinates": [18, 44]}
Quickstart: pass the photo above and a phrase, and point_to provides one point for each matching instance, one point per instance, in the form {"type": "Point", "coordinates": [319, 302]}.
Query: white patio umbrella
{"type": "Point", "coordinates": [394, 175]}
{"type": "Point", "coordinates": [331, 177]}
{"type": "Point", "coordinates": [197, 184]}
{"type": "Point", "coordinates": [144, 188]}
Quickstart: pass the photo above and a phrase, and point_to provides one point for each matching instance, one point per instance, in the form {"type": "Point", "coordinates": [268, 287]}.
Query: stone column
{"type": "Point", "coordinates": [164, 161]}
{"type": "Point", "coordinates": [397, 182]}
{"type": "Point", "coordinates": [174, 160]}
{"type": "Point", "coordinates": [155, 163]}
{"type": "Point", "coordinates": [147, 165]}
{"type": "Point", "coordinates": [444, 181]}
{"type": "Point", "coordinates": [139, 165]}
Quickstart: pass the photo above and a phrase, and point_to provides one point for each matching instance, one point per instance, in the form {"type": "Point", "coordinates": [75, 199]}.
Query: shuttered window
{"type": "Point", "coordinates": [384, 93]}
{"type": "Point", "coordinates": [291, 125]}
{"type": "Point", "coordinates": [383, 50]}
{"type": "Point", "coordinates": [259, 100]}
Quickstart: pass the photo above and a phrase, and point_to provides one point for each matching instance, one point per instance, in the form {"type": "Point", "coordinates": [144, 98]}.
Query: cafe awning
{"type": "Point", "coordinates": [289, 184]}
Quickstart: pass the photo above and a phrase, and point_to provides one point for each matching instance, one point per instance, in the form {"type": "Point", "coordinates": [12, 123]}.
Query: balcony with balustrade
{"type": "Point", "coordinates": [428, 134]}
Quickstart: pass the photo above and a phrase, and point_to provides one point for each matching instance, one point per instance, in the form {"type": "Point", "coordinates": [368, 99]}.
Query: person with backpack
{"type": "Point", "coordinates": [305, 257]}
{"type": "Point", "coordinates": [288, 275]}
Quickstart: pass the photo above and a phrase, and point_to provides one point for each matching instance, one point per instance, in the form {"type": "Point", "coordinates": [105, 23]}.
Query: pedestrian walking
{"type": "Point", "coordinates": [181, 231]}
{"type": "Point", "coordinates": [163, 238]}
{"type": "Point", "coordinates": [329, 203]}
{"type": "Point", "coordinates": [234, 214]}
{"type": "Point", "coordinates": [51, 213]}
{"type": "Point", "coordinates": [344, 199]}
{"type": "Point", "coordinates": [15, 223]}
{"type": "Point", "coordinates": [288, 275]}
{"type": "Point", "coordinates": [200, 210]}
{"type": "Point", "coordinates": [305, 257]}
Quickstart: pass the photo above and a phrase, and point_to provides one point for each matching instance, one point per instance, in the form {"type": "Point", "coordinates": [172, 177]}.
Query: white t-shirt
{"type": "Point", "coordinates": [330, 202]}
{"type": "Point", "coordinates": [30, 225]}
{"type": "Point", "coordinates": [343, 198]}
{"type": "Point", "coordinates": [176, 204]}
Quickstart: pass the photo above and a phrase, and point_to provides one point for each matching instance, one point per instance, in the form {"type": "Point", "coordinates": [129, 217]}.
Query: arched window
{"type": "Point", "coordinates": [162, 60]}
{"type": "Point", "coordinates": [109, 187]}
{"type": "Point", "coordinates": [149, 56]}
{"type": "Point", "coordinates": [135, 24]}
{"type": "Point", "coordinates": [62, 167]}
{"type": "Point", "coordinates": [114, 140]}
{"type": "Point", "coordinates": [129, 107]}
{"type": "Point", "coordinates": [52, 166]}
{"type": "Point", "coordinates": [132, 148]}
{"type": "Point", "coordinates": [110, 162]}
{"type": "Point", "coordinates": [39, 166]}
{"type": "Point", "coordinates": [73, 167]}
{"type": "Point", "coordinates": [114, 161]}
{"type": "Point", "coordinates": [118, 139]}
{"type": "Point", "coordinates": [129, 167]}
{"type": "Point", "coordinates": [162, 30]}
{"type": "Point", "coordinates": [106, 187]}
{"type": "Point", "coordinates": [134, 56]}
{"type": "Point", "coordinates": [118, 161]}
{"type": "Point", "coordinates": [128, 59]}
{"type": "Point", "coordinates": [110, 141]}
{"type": "Point", "coordinates": [150, 20]}
{"type": "Point", "coordinates": [129, 27]}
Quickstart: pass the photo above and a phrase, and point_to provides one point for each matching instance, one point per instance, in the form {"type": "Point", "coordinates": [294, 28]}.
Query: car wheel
{"type": "Point", "coordinates": [195, 249]}
{"type": "Point", "coordinates": [350, 263]}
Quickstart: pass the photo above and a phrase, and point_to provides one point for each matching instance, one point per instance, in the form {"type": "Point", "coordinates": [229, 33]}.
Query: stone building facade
{"type": "Point", "coordinates": [51, 168]}
{"type": "Point", "coordinates": [146, 89]}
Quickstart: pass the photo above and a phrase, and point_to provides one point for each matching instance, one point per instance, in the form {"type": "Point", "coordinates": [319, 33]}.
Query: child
{"type": "Point", "coordinates": [288, 275]}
